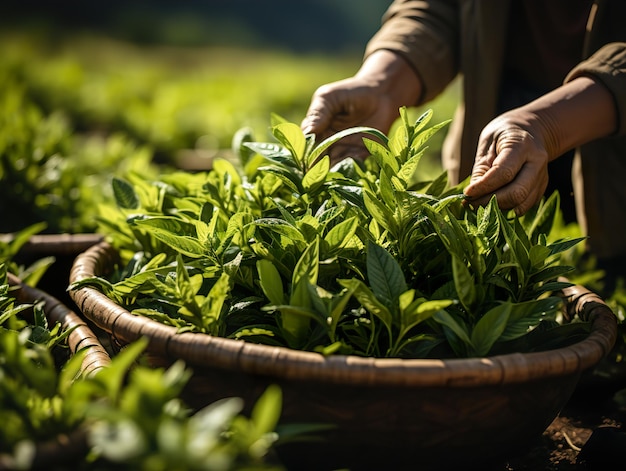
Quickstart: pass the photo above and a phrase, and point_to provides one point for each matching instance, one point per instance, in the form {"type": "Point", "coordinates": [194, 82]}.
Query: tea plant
{"type": "Point", "coordinates": [361, 258]}
{"type": "Point", "coordinates": [132, 415]}
{"type": "Point", "coordinates": [144, 425]}
{"type": "Point", "coordinates": [29, 381]}
{"type": "Point", "coordinates": [167, 98]}
{"type": "Point", "coordinates": [51, 173]}
{"type": "Point", "coordinates": [132, 423]}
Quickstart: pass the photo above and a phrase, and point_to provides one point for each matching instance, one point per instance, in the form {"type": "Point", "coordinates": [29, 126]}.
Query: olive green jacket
{"type": "Point", "coordinates": [443, 39]}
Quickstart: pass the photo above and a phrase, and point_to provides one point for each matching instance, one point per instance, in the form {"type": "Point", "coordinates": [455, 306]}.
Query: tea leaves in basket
{"type": "Point", "coordinates": [362, 257]}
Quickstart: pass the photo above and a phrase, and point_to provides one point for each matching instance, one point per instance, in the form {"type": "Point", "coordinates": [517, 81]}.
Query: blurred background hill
{"type": "Point", "coordinates": [300, 26]}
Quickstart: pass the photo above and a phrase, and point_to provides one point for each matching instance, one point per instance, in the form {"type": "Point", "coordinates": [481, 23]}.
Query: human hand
{"type": "Point", "coordinates": [511, 162]}
{"type": "Point", "coordinates": [345, 104]}
{"type": "Point", "coordinates": [372, 98]}
{"type": "Point", "coordinates": [514, 149]}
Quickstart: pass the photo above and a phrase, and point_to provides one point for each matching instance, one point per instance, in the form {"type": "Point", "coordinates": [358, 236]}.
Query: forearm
{"type": "Point", "coordinates": [576, 113]}
{"type": "Point", "coordinates": [425, 33]}
{"type": "Point", "coordinates": [608, 66]}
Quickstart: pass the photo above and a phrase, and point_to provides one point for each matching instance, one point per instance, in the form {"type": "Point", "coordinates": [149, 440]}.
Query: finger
{"type": "Point", "coordinates": [527, 190]}
{"type": "Point", "coordinates": [489, 173]}
{"type": "Point", "coordinates": [485, 155]}
{"type": "Point", "coordinates": [317, 119]}
{"type": "Point", "coordinates": [521, 194]}
{"type": "Point", "coordinates": [321, 112]}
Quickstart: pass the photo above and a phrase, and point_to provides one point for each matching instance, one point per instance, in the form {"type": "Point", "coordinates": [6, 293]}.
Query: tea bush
{"type": "Point", "coordinates": [122, 416]}
{"type": "Point", "coordinates": [49, 172]}
{"type": "Point", "coordinates": [76, 112]}
{"type": "Point", "coordinates": [364, 259]}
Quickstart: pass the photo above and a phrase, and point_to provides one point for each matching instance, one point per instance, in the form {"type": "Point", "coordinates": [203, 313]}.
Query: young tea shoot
{"type": "Point", "coordinates": [362, 257]}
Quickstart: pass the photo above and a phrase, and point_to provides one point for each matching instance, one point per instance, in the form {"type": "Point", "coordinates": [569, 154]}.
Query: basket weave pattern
{"type": "Point", "coordinates": [433, 411]}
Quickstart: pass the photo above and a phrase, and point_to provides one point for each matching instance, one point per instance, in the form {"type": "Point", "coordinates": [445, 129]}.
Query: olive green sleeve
{"type": "Point", "coordinates": [608, 65]}
{"type": "Point", "coordinates": [426, 34]}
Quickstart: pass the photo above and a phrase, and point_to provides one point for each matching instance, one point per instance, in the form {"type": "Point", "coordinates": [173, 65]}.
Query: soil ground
{"type": "Point", "coordinates": [588, 434]}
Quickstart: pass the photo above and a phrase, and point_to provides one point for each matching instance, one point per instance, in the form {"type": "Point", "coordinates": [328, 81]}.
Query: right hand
{"type": "Point", "coordinates": [345, 104]}
{"type": "Point", "coordinates": [372, 98]}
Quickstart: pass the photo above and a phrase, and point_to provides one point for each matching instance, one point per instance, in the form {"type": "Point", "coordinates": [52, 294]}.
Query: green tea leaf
{"type": "Point", "coordinates": [339, 304]}
{"type": "Point", "coordinates": [308, 265]}
{"type": "Point", "coordinates": [378, 210]}
{"type": "Point", "coordinates": [408, 168]}
{"type": "Point", "coordinates": [290, 178]}
{"type": "Point", "coordinates": [377, 150]}
{"type": "Point", "coordinates": [276, 119]}
{"type": "Point", "coordinates": [281, 227]}
{"type": "Point", "coordinates": [464, 283]}
{"type": "Point", "coordinates": [339, 235]}
{"type": "Point", "coordinates": [369, 301]}
{"type": "Point", "coordinates": [271, 151]}
{"type": "Point", "coordinates": [550, 273]}
{"type": "Point", "coordinates": [326, 143]}
{"type": "Point", "coordinates": [384, 275]}
{"type": "Point", "coordinates": [242, 136]}
{"type": "Point", "coordinates": [437, 186]}
{"type": "Point", "coordinates": [124, 193]}
{"type": "Point", "coordinates": [170, 224]}
{"type": "Point", "coordinates": [460, 331]}
{"type": "Point", "coordinates": [112, 378]}
{"type": "Point", "coordinates": [525, 315]}
{"type": "Point", "coordinates": [291, 136]}
{"type": "Point", "coordinates": [305, 272]}
{"type": "Point", "coordinates": [423, 120]}
{"type": "Point", "coordinates": [267, 411]}
{"type": "Point", "coordinates": [316, 175]}
{"type": "Point", "coordinates": [420, 310]}
{"type": "Point", "coordinates": [544, 217]}
{"type": "Point", "coordinates": [270, 281]}
{"type": "Point", "coordinates": [562, 245]}
{"type": "Point", "coordinates": [489, 328]}
{"type": "Point", "coordinates": [214, 303]}
{"type": "Point", "coordinates": [186, 245]}
{"type": "Point", "coordinates": [421, 138]}
{"type": "Point", "coordinates": [386, 188]}
{"type": "Point", "coordinates": [398, 144]}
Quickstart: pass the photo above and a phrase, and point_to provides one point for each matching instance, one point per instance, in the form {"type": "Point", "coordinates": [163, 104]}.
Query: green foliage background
{"type": "Point", "coordinates": [77, 110]}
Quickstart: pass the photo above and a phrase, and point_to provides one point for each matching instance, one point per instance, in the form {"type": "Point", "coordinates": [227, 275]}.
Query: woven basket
{"type": "Point", "coordinates": [385, 413]}
{"type": "Point", "coordinates": [64, 248]}
{"type": "Point", "coordinates": [59, 244]}
{"type": "Point", "coordinates": [63, 449]}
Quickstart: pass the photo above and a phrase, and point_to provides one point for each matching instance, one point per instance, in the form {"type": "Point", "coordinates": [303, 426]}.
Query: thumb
{"type": "Point", "coordinates": [318, 117]}
{"type": "Point", "coordinates": [492, 173]}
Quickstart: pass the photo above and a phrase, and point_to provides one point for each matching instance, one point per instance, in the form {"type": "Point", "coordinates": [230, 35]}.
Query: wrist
{"type": "Point", "coordinates": [574, 114]}
{"type": "Point", "coordinates": [393, 75]}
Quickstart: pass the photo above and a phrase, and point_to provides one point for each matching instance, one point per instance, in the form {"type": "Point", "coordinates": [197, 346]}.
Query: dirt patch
{"type": "Point", "coordinates": [589, 434]}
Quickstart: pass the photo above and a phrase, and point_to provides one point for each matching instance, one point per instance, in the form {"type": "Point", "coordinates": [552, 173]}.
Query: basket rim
{"type": "Point", "coordinates": [288, 364]}
{"type": "Point", "coordinates": [58, 243]}
{"type": "Point", "coordinates": [80, 338]}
